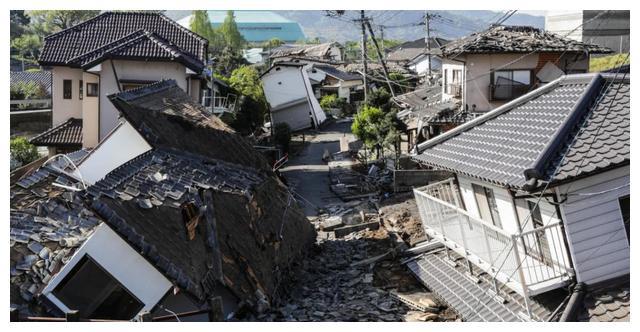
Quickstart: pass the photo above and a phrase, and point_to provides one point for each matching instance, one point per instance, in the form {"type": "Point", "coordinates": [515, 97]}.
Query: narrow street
{"type": "Point", "coordinates": [341, 280]}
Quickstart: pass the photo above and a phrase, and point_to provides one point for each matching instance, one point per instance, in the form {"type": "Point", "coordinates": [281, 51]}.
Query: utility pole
{"type": "Point", "coordinates": [364, 53]}
{"type": "Point", "coordinates": [384, 51]}
{"type": "Point", "coordinates": [427, 18]}
{"type": "Point", "coordinates": [384, 65]}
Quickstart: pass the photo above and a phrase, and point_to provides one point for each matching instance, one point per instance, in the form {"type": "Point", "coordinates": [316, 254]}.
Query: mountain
{"type": "Point", "coordinates": [403, 25]}
{"type": "Point", "coordinates": [399, 24]}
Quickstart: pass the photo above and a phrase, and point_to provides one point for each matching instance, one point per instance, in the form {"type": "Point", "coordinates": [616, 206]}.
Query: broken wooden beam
{"type": "Point", "coordinates": [342, 231]}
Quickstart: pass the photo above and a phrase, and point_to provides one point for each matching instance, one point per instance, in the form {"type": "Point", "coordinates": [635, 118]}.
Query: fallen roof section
{"type": "Point", "coordinates": [337, 73]}
{"type": "Point", "coordinates": [168, 118]}
{"type": "Point", "coordinates": [408, 51]}
{"type": "Point", "coordinates": [66, 134]}
{"type": "Point", "coordinates": [517, 39]}
{"type": "Point", "coordinates": [585, 117]}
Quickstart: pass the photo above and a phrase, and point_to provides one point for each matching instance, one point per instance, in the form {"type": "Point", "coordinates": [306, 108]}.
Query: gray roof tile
{"type": "Point", "coordinates": [68, 133]}
{"type": "Point", "coordinates": [501, 145]}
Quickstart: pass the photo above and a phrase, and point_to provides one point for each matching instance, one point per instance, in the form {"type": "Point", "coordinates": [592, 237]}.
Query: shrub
{"type": "Point", "coordinates": [282, 135]}
{"type": "Point", "coordinates": [22, 151]}
{"type": "Point", "coordinates": [332, 101]}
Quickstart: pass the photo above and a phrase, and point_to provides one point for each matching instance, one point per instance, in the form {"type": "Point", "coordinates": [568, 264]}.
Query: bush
{"type": "Point", "coordinates": [282, 135]}
{"type": "Point", "coordinates": [332, 101]}
{"type": "Point", "coordinates": [28, 90]}
{"type": "Point", "coordinates": [22, 151]}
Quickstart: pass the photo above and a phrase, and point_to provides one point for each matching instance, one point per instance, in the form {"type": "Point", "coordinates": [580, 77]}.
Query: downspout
{"type": "Point", "coordinates": [575, 302]}
{"type": "Point", "coordinates": [556, 204]}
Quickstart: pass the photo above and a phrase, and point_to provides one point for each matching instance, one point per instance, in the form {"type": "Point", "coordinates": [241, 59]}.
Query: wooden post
{"type": "Point", "coordinates": [73, 316]}
{"type": "Point", "coordinates": [14, 315]}
{"type": "Point", "coordinates": [215, 309]}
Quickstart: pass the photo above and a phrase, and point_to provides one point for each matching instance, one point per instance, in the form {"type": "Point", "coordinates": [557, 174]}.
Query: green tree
{"type": "Point", "coordinates": [22, 151]}
{"type": "Point", "coordinates": [19, 23]}
{"type": "Point", "coordinates": [253, 105]}
{"type": "Point", "coordinates": [273, 43]}
{"type": "Point", "coordinates": [230, 32]}
{"type": "Point", "coordinates": [27, 90]}
{"type": "Point", "coordinates": [28, 47]}
{"type": "Point", "coordinates": [377, 129]}
{"type": "Point", "coordinates": [201, 25]}
{"type": "Point", "coordinates": [228, 60]}
{"type": "Point", "coordinates": [282, 135]}
{"type": "Point", "coordinates": [50, 21]}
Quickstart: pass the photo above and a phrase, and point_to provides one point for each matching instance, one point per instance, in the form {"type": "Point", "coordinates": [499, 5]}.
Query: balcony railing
{"type": "Point", "coordinates": [507, 91]}
{"type": "Point", "coordinates": [219, 105]}
{"type": "Point", "coordinates": [529, 263]}
{"type": "Point", "coordinates": [454, 89]}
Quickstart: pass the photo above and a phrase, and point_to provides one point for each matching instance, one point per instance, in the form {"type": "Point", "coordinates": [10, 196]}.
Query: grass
{"type": "Point", "coordinates": [608, 62]}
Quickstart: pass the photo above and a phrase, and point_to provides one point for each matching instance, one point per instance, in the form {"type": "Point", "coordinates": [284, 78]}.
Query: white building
{"type": "Point", "coordinates": [487, 69]}
{"type": "Point", "coordinates": [540, 197]}
{"type": "Point", "coordinates": [112, 52]}
{"type": "Point", "coordinates": [290, 95]}
{"type": "Point", "coordinates": [608, 28]}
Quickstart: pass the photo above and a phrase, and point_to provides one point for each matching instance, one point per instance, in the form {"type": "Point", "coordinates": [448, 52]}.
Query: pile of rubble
{"type": "Point", "coordinates": [348, 183]}
{"type": "Point", "coordinates": [400, 215]}
{"type": "Point", "coordinates": [355, 273]}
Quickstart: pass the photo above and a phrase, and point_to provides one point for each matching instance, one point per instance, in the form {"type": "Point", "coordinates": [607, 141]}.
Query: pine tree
{"type": "Point", "coordinates": [230, 32]}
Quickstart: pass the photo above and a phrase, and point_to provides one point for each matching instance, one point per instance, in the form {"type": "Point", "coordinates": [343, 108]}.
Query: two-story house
{"type": "Point", "coordinates": [113, 52]}
{"type": "Point", "coordinates": [540, 200]}
{"type": "Point", "coordinates": [487, 69]}
{"type": "Point", "coordinates": [417, 56]}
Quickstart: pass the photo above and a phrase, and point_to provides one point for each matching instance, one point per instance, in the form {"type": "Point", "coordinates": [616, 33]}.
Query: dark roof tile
{"type": "Point", "coordinates": [68, 133]}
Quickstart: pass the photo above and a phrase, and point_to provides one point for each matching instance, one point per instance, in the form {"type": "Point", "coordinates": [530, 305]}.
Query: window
{"type": "Point", "coordinates": [96, 294]}
{"type": "Point", "coordinates": [92, 89]}
{"type": "Point", "coordinates": [80, 86]}
{"type": "Point", "coordinates": [624, 203]}
{"type": "Point", "coordinates": [512, 77]}
{"type": "Point", "coordinates": [537, 246]}
{"type": "Point", "coordinates": [457, 76]}
{"type": "Point", "coordinates": [66, 89]}
{"type": "Point", "coordinates": [487, 205]}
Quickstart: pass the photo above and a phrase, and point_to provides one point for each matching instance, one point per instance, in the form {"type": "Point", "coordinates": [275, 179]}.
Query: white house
{"type": "Point", "coordinates": [335, 81]}
{"type": "Point", "coordinates": [112, 52]}
{"type": "Point", "coordinates": [608, 28]}
{"type": "Point", "coordinates": [415, 55]}
{"type": "Point", "coordinates": [487, 69]}
{"type": "Point", "coordinates": [153, 220]}
{"type": "Point", "coordinates": [540, 199]}
{"type": "Point", "coordinates": [290, 95]}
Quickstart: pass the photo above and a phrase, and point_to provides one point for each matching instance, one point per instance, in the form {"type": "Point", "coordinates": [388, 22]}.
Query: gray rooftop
{"type": "Point", "coordinates": [525, 140]}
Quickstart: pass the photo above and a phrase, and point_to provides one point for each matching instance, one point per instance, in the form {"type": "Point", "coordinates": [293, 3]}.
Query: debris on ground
{"type": "Point", "coordinates": [400, 215]}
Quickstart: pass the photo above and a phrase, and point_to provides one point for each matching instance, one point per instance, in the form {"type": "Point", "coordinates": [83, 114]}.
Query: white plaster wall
{"type": "Point", "coordinates": [594, 225]}
{"type": "Point", "coordinates": [63, 109]}
{"type": "Point", "coordinates": [122, 145]}
{"type": "Point", "coordinates": [478, 65]}
{"type": "Point", "coordinates": [121, 261]}
{"type": "Point", "coordinates": [284, 85]}
{"type": "Point", "coordinates": [564, 21]}
{"type": "Point", "coordinates": [138, 70]}
{"type": "Point", "coordinates": [450, 66]}
{"type": "Point", "coordinates": [422, 67]}
{"type": "Point", "coordinates": [90, 113]}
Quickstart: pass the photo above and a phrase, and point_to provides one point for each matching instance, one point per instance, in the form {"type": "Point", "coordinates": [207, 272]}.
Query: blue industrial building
{"type": "Point", "coordinates": [257, 26]}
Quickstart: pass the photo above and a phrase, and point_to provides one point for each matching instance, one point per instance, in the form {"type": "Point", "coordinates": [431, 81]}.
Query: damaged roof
{"type": "Point", "coordinates": [204, 219]}
{"type": "Point", "coordinates": [66, 134]}
{"type": "Point", "coordinates": [611, 303]}
{"type": "Point", "coordinates": [132, 35]}
{"type": "Point", "coordinates": [312, 51]}
{"type": "Point", "coordinates": [408, 51]}
{"type": "Point", "coordinates": [585, 117]}
{"type": "Point", "coordinates": [517, 39]}
{"type": "Point", "coordinates": [168, 118]}
{"type": "Point", "coordinates": [337, 73]}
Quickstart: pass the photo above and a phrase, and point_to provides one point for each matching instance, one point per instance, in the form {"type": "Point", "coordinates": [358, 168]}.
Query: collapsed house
{"type": "Point", "coordinates": [290, 95]}
{"type": "Point", "coordinates": [417, 55]}
{"type": "Point", "coordinates": [321, 52]}
{"type": "Point", "coordinates": [172, 212]}
{"type": "Point", "coordinates": [540, 201]}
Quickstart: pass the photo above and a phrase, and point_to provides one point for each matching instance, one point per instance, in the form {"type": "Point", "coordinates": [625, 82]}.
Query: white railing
{"type": "Point", "coordinates": [528, 262]}
{"type": "Point", "coordinates": [219, 105]}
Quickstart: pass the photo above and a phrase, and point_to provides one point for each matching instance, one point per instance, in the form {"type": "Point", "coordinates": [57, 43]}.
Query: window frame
{"type": "Point", "coordinates": [626, 229]}
{"type": "Point", "coordinates": [116, 283]}
{"type": "Point", "coordinates": [80, 92]}
{"type": "Point", "coordinates": [67, 89]}
{"type": "Point", "coordinates": [483, 192]}
{"type": "Point", "coordinates": [97, 90]}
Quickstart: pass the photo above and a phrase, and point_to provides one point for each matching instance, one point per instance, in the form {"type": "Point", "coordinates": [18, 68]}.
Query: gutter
{"type": "Point", "coordinates": [579, 110]}
{"type": "Point", "coordinates": [575, 301]}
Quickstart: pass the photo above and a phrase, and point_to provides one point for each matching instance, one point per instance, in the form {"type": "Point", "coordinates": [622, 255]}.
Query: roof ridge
{"type": "Point", "coordinates": [112, 44]}
{"type": "Point", "coordinates": [144, 90]}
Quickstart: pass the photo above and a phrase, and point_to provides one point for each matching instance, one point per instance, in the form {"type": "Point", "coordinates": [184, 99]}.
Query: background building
{"type": "Point", "coordinates": [610, 29]}
{"type": "Point", "coordinates": [257, 26]}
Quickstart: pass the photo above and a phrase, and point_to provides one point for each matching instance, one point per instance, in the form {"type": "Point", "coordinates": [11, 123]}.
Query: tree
{"type": "Point", "coordinates": [231, 34]}
{"type": "Point", "coordinates": [273, 43]}
{"type": "Point", "coordinates": [253, 104]}
{"type": "Point", "coordinates": [227, 60]}
{"type": "Point", "coordinates": [282, 135]}
{"type": "Point", "coordinates": [28, 47]}
{"type": "Point", "coordinates": [19, 22]}
{"type": "Point", "coordinates": [22, 151]}
{"type": "Point", "coordinates": [50, 21]}
{"type": "Point", "coordinates": [375, 128]}
{"type": "Point", "coordinates": [201, 25]}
